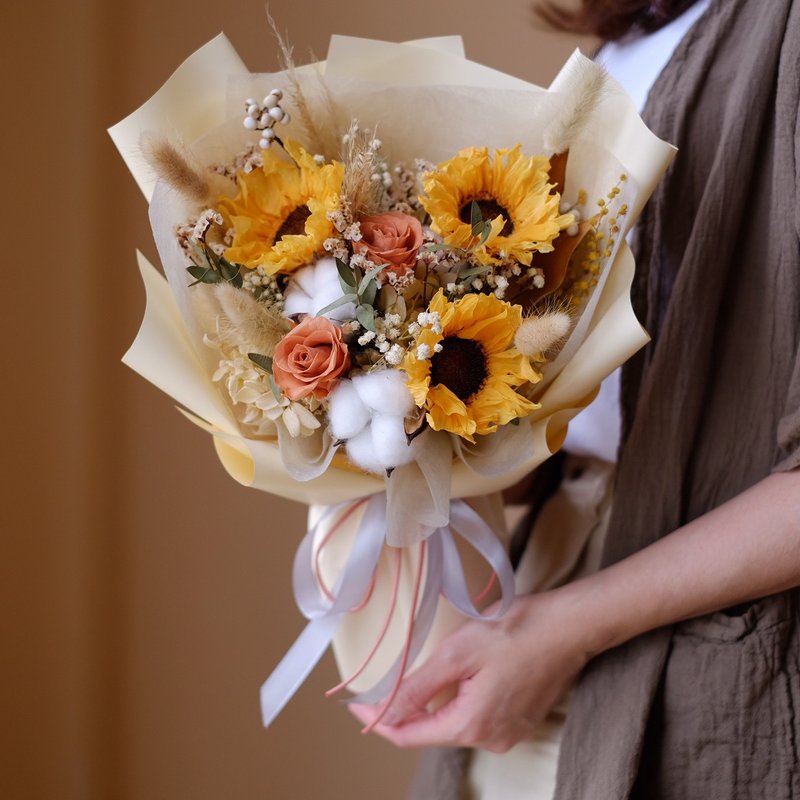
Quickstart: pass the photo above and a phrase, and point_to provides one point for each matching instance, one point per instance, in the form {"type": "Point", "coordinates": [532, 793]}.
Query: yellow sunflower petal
{"type": "Point", "coordinates": [268, 197]}
{"type": "Point", "coordinates": [517, 183]}
{"type": "Point", "coordinates": [447, 413]}
{"type": "Point", "coordinates": [493, 399]}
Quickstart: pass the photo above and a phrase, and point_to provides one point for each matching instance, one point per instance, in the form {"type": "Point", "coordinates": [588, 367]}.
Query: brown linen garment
{"type": "Point", "coordinates": [707, 709]}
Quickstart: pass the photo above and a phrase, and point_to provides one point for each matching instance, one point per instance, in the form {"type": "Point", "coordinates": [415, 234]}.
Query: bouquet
{"type": "Point", "coordinates": [392, 279]}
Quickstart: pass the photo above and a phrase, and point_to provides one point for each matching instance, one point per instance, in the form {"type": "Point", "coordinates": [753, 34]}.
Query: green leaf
{"type": "Point", "coordinates": [346, 275]}
{"type": "Point", "coordinates": [365, 314]}
{"type": "Point", "coordinates": [472, 272]}
{"type": "Point", "coordinates": [476, 218]}
{"type": "Point", "coordinates": [203, 275]}
{"type": "Point", "coordinates": [261, 361]}
{"type": "Point", "coordinates": [433, 247]}
{"type": "Point", "coordinates": [275, 390]}
{"type": "Point", "coordinates": [348, 298]}
{"type": "Point", "coordinates": [227, 270]}
{"type": "Point", "coordinates": [365, 281]}
{"type": "Point", "coordinates": [368, 297]}
{"type": "Point", "coordinates": [200, 253]}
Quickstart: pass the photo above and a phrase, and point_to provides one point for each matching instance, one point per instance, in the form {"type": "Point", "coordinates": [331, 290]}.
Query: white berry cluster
{"type": "Point", "coordinates": [263, 116]}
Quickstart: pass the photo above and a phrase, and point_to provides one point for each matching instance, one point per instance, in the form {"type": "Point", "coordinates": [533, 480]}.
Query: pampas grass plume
{"type": "Point", "coordinates": [538, 333]}
{"type": "Point", "coordinates": [582, 92]}
{"type": "Point", "coordinates": [174, 167]}
{"type": "Point", "coordinates": [246, 323]}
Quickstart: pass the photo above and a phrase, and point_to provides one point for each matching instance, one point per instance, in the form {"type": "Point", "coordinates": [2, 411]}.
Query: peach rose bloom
{"type": "Point", "coordinates": [310, 359]}
{"type": "Point", "coordinates": [392, 238]}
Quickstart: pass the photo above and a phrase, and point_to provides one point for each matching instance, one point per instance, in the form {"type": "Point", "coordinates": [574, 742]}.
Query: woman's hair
{"type": "Point", "coordinates": [611, 19]}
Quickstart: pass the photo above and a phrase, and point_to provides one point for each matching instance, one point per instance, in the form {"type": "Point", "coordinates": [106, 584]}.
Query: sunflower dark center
{"type": "Point", "coordinates": [489, 210]}
{"type": "Point", "coordinates": [460, 366]}
{"type": "Point", "coordinates": [294, 224]}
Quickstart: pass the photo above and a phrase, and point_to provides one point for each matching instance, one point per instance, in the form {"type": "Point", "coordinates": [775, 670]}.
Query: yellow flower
{"type": "Point", "coordinates": [467, 387]}
{"type": "Point", "coordinates": [511, 189]}
{"type": "Point", "coordinates": [279, 217]}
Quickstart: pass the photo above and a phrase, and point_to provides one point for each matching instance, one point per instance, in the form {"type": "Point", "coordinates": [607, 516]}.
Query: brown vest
{"type": "Point", "coordinates": [709, 708]}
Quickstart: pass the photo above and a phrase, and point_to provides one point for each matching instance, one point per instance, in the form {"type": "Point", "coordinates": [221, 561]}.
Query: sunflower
{"type": "Point", "coordinates": [279, 217]}
{"type": "Point", "coordinates": [511, 189]}
{"type": "Point", "coordinates": [464, 369]}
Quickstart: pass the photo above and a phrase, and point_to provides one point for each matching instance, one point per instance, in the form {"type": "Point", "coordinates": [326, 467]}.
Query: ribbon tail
{"type": "Point", "coordinates": [296, 665]}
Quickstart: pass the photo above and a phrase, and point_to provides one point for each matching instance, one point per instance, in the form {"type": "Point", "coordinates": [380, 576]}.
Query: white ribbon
{"type": "Point", "coordinates": [444, 575]}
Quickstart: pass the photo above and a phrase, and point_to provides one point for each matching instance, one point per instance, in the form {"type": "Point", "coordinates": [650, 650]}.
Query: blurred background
{"type": "Point", "coordinates": [144, 594]}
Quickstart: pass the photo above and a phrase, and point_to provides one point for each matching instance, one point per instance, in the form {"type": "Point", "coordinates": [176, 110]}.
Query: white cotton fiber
{"type": "Point", "coordinates": [314, 287]}
{"type": "Point", "coordinates": [361, 452]}
{"type": "Point", "coordinates": [386, 392]}
{"type": "Point", "coordinates": [347, 414]}
{"type": "Point", "coordinates": [390, 442]}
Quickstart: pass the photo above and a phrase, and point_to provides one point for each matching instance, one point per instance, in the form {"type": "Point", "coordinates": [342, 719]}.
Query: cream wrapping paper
{"type": "Point", "coordinates": [378, 82]}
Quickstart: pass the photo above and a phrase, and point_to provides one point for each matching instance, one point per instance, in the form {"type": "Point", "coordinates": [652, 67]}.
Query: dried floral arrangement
{"type": "Point", "coordinates": [385, 331]}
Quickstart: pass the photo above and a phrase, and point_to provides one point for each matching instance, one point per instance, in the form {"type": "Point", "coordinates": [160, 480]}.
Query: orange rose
{"type": "Point", "coordinates": [392, 238]}
{"type": "Point", "coordinates": [310, 359]}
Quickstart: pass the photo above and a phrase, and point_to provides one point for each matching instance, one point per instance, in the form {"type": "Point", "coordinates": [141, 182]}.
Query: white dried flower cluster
{"type": "Point", "coordinates": [403, 190]}
{"type": "Point", "coordinates": [208, 218]}
{"type": "Point", "coordinates": [383, 338]}
{"type": "Point", "coordinates": [263, 117]}
{"type": "Point", "coordinates": [336, 246]}
{"type": "Point", "coordinates": [425, 351]}
{"type": "Point", "coordinates": [245, 162]}
{"type": "Point", "coordinates": [256, 405]}
{"type": "Point", "coordinates": [395, 355]}
{"type": "Point", "coordinates": [352, 232]}
{"type": "Point", "coordinates": [339, 219]}
{"type": "Point", "coordinates": [496, 281]}
{"type": "Point", "coordinates": [263, 286]}
{"type": "Point", "coordinates": [430, 319]}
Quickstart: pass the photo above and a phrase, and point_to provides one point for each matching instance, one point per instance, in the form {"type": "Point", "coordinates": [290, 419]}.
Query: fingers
{"type": "Point", "coordinates": [419, 688]}
{"type": "Point", "coordinates": [423, 730]}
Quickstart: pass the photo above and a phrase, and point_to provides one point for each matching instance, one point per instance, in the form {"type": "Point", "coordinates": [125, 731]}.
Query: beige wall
{"type": "Point", "coordinates": [145, 595]}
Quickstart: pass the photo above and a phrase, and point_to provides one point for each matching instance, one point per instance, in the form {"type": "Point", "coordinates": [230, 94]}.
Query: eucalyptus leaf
{"type": "Point", "coordinates": [365, 281]}
{"type": "Point", "coordinates": [476, 218]}
{"type": "Point", "coordinates": [369, 295]}
{"type": "Point", "coordinates": [472, 272]}
{"type": "Point", "coordinates": [348, 298]}
{"type": "Point", "coordinates": [200, 253]}
{"type": "Point", "coordinates": [434, 247]}
{"type": "Point", "coordinates": [346, 275]}
{"type": "Point", "coordinates": [203, 275]}
{"type": "Point", "coordinates": [261, 361]}
{"type": "Point", "coordinates": [365, 314]}
{"type": "Point", "coordinates": [275, 390]}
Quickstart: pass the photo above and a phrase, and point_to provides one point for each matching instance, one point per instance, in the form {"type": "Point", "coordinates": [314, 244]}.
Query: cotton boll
{"type": "Point", "coordinates": [312, 288]}
{"type": "Point", "coordinates": [361, 451]}
{"type": "Point", "coordinates": [347, 414]}
{"type": "Point", "coordinates": [386, 392]}
{"type": "Point", "coordinates": [389, 441]}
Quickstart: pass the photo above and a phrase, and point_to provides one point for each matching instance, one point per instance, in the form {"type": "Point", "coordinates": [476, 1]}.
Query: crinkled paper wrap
{"type": "Point", "coordinates": [404, 91]}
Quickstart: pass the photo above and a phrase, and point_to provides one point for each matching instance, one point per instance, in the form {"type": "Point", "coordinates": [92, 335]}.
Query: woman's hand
{"type": "Point", "coordinates": [508, 675]}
